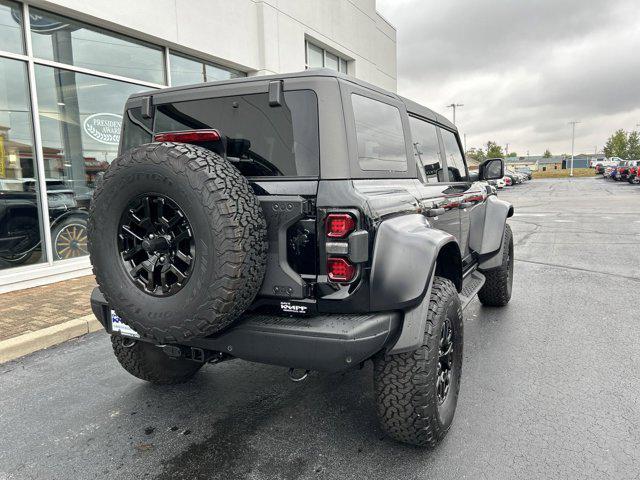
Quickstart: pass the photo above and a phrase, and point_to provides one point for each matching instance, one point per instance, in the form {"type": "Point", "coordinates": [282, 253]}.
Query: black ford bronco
{"type": "Point", "coordinates": [307, 220]}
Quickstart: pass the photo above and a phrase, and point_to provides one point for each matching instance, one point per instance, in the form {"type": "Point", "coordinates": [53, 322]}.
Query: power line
{"type": "Point", "coordinates": [454, 106]}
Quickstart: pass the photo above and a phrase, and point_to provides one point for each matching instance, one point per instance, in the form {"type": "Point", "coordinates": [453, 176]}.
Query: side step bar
{"type": "Point", "coordinates": [470, 286]}
{"type": "Point", "coordinates": [330, 343]}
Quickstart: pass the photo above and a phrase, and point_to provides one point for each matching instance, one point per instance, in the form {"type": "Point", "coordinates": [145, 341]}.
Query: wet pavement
{"type": "Point", "coordinates": [550, 386]}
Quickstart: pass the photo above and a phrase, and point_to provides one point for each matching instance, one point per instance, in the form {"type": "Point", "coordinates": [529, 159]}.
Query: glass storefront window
{"type": "Point", "coordinates": [11, 27]}
{"type": "Point", "coordinates": [80, 123]}
{"type": "Point", "coordinates": [20, 211]}
{"type": "Point", "coordinates": [67, 41]}
{"type": "Point", "coordinates": [185, 71]}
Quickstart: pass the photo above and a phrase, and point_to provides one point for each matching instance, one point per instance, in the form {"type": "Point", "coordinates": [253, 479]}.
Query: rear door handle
{"type": "Point", "coordinates": [434, 212]}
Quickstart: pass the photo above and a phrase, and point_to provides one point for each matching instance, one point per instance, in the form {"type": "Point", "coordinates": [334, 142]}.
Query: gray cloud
{"type": "Point", "coordinates": [523, 69]}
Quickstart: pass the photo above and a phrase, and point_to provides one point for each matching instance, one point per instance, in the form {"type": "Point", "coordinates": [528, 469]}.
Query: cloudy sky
{"type": "Point", "coordinates": [523, 69]}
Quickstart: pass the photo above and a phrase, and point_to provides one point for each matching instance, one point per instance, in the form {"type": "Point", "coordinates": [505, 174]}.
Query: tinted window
{"type": "Point", "coordinates": [426, 149]}
{"type": "Point", "coordinates": [262, 140]}
{"type": "Point", "coordinates": [380, 136]}
{"type": "Point", "coordinates": [455, 162]}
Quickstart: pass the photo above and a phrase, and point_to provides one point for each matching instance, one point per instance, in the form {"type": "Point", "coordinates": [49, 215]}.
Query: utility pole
{"type": "Point", "coordinates": [454, 106]}
{"type": "Point", "coordinates": [506, 150]}
{"type": "Point", "coordinates": [573, 138]}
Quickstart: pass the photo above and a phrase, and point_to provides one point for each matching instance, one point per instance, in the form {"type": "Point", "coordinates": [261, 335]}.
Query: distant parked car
{"type": "Point", "coordinates": [526, 171]}
{"type": "Point", "coordinates": [622, 172]}
{"type": "Point", "coordinates": [599, 168]}
{"type": "Point", "coordinates": [507, 181]}
{"type": "Point", "coordinates": [515, 179]}
{"type": "Point", "coordinates": [500, 183]}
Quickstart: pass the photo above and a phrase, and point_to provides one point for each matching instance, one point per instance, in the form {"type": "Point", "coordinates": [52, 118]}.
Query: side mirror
{"type": "Point", "coordinates": [491, 169]}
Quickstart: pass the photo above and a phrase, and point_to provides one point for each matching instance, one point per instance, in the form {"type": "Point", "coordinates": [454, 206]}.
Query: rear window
{"type": "Point", "coordinates": [262, 140]}
{"type": "Point", "coordinates": [380, 135]}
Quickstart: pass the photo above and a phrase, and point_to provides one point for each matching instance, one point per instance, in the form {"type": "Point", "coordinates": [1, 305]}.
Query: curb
{"type": "Point", "coordinates": [22, 345]}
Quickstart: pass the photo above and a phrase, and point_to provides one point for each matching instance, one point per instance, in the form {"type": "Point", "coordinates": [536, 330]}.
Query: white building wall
{"type": "Point", "coordinates": [256, 36]}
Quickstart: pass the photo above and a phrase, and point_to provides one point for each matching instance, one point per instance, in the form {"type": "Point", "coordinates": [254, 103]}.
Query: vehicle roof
{"type": "Point", "coordinates": [412, 106]}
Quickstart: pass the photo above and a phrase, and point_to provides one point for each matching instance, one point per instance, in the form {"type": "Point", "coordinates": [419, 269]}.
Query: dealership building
{"type": "Point", "coordinates": [68, 66]}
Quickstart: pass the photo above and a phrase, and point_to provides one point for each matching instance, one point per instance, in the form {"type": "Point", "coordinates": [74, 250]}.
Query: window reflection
{"type": "Point", "coordinates": [67, 41]}
{"type": "Point", "coordinates": [426, 149]}
{"type": "Point", "coordinates": [80, 122]}
{"type": "Point", "coordinates": [20, 213]}
{"type": "Point", "coordinates": [455, 162]}
{"type": "Point", "coordinates": [186, 71]}
{"type": "Point", "coordinates": [10, 27]}
{"type": "Point", "coordinates": [380, 135]}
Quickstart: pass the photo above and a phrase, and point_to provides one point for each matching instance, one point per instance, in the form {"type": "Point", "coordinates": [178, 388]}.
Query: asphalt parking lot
{"type": "Point", "coordinates": [550, 383]}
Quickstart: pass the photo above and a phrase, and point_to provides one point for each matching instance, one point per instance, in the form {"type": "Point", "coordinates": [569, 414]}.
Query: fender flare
{"type": "Point", "coordinates": [487, 232]}
{"type": "Point", "coordinates": [404, 260]}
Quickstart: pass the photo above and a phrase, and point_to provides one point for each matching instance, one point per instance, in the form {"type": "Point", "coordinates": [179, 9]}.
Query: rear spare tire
{"type": "Point", "coordinates": [177, 240]}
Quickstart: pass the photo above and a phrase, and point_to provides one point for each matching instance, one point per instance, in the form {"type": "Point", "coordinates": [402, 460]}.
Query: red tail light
{"type": "Point", "coordinates": [339, 225]}
{"type": "Point", "coordinates": [340, 269]}
{"type": "Point", "coordinates": [188, 136]}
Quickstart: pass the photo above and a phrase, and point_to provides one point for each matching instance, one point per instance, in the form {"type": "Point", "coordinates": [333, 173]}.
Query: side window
{"type": "Point", "coordinates": [426, 149]}
{"type": "Point", "coordinates": [380, 135]}
{"type": "Point", "coordinates": [455, 162]}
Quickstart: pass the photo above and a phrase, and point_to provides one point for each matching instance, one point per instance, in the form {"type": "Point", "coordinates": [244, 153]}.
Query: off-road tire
{"type": "Point", "coordinates": [405, 383]}
{"type": "Point", "coordinates": [229, 232]}
{"type": "Point", "coordinates": [148, 362]}
{"type": "Point", "coordinates": [496, 291]}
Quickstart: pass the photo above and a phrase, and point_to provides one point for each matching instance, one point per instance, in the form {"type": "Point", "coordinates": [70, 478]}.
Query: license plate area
{"type": "Point", "coordinates": [119, 326]}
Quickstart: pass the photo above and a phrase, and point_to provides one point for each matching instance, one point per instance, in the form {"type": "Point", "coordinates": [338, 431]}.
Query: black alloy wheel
{"type": "Point", "coordinates": [156, 245]}
{"type": "Point", "coordinates": [445, 362]}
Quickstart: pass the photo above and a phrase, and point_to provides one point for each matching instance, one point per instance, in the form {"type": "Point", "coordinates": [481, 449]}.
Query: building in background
{"type": "Point", "coordinates": [67, 67]}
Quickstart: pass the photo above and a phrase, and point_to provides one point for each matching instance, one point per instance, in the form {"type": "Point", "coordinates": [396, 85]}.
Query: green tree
{"type": "Point", "coordinates": [617, 145]}
{"type": "Point", "coordinates": [494, 150]}
{"type": "Point", "coordinates": [476, 154]}
{"type": "Point", "coordinates": [547, 154]}
{"type": "Point", "coordinates": [512, 154]}
{"type": "Point", "coordinates": [633, 146]}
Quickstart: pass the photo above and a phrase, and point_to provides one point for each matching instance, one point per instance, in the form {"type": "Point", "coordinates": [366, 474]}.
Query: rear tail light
{"type": "Point", "coordinates": [339, 225]}
{"type": "Point", "coordinates": [340, 269]}
{"type": "Point", "coordinates": [188, 136]}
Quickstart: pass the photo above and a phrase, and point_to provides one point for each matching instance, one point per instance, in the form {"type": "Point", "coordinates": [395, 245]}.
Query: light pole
{"type": "Point", "coordinates": [454, 106]}
{"type": "Point", "coordinates": [573, 138]}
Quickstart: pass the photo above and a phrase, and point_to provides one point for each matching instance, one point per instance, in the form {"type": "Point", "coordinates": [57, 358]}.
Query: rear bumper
{"type": "Point", "coordinates": [329, 342]}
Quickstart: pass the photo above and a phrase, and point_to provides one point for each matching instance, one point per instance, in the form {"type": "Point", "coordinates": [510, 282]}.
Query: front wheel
{"type": "Point", "coordinates": [150, 363]}
{"type": "Point", "coordinates": [417, 392]}
{"type": "Point", "coordinates": [496, 291]}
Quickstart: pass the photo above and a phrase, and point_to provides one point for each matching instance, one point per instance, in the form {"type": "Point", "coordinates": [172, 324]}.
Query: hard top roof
{"type": "Point", "coordinates": [412, 106]}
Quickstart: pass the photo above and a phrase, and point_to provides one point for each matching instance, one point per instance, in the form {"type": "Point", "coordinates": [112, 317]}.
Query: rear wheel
{"type": "Point", "coordinates": [496, 291]}
{"type": "Point", "coordinates": [417, 392]}
{"type": "Point", "coordinates": [150, 363]}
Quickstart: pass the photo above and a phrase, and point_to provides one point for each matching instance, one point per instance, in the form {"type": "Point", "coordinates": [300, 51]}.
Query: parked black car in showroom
{"type": "Point", "coordinates": [20, 237]}
{"type": "Point", "coordinates": [308, 220]}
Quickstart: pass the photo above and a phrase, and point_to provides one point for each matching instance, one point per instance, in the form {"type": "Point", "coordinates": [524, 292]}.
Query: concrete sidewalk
{"type": "Point", "coordinates": [40, 317]}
